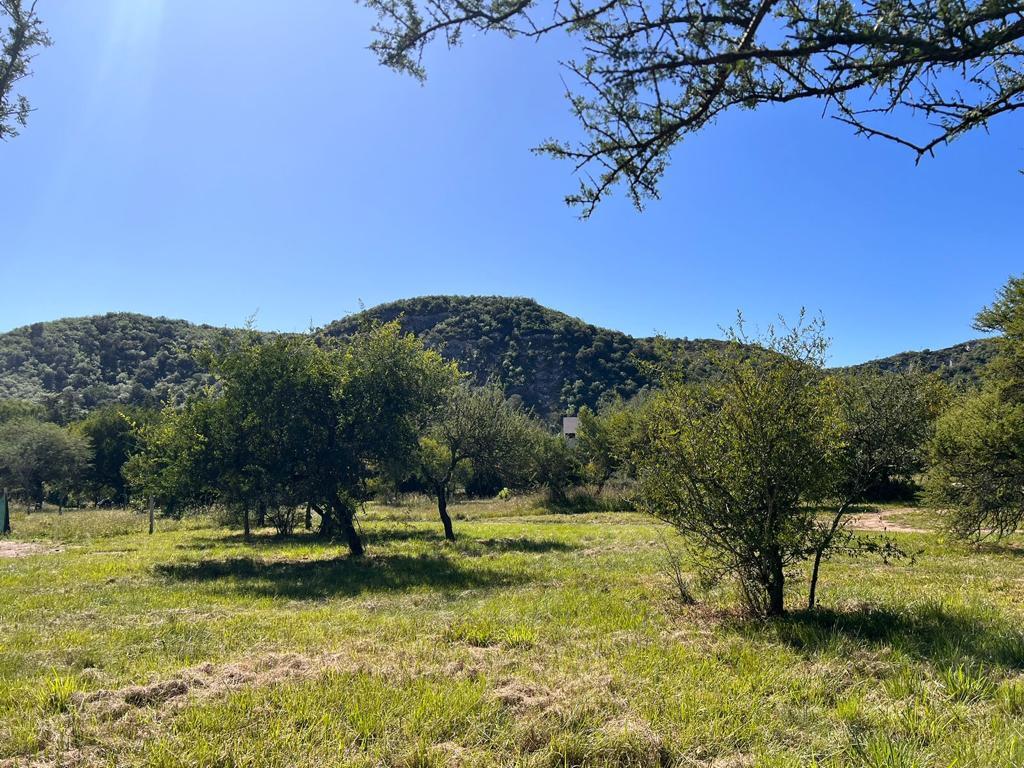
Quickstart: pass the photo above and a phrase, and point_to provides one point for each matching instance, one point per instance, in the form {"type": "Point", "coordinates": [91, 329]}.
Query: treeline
{"type": "Point", "coordinates": [300, 424]}
{"type": "Point", "coordinates": [293, 424]}
{"type": "Point", "coordinates": [82, 462]}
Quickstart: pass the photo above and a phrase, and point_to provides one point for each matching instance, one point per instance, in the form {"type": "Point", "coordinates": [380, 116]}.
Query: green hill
{"type": "Point", "coordinates": [960, 364]}
{"type": "Point", "coordinates": [552, 361]}
{"type": "Point", "coordinates": [76, 364]}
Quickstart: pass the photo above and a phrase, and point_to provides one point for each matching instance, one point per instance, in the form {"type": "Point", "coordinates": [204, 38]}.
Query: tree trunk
{"type": "Point", "coordinates": [261, 514]}
{"type": "Point", "coordinates": [343, 514]}
{"type": "Point", "coordinates": [152, 516]}
{"type": "Point", "coordinates": [245, 524]}
{"type": "Point", "coordinates": [776, 586]}
{"type": "Point", "coordinates": [326, 529]}
{"type": "Point", "coordinates": [6, 502]}
{"type": "Point", "coordinates": [442, 510]}
{"type": "Point", "coordinates": [355, 544]}
{"type": "Point", "coordinates": [309, 516]}
{"type": "Point", "coordinates": [819, 553]}
{"type": "Point", "coordinates": [812, 593]}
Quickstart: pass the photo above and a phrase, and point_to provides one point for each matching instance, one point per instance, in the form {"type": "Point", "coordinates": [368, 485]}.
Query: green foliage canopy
{"type": "Point", "coordinates": [477, 427]}
{"type": "Point", "coordinates": [113, 436]}
{"type": "Point", "coordinates": [977, 455]}
{"type": "Point", "coordinates": [737, 463]}
{"type": "Point", "coordinates": [36, 456]}
{"type": "Point", "coordinates": [294, 422]}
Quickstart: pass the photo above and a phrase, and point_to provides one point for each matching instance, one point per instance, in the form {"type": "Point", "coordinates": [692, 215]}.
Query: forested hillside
{"type": "Point", "coordinates": [552, 361]}
{"type": "Point", "coordinates": [76, 364]}
{"type": "Point", "coordinates": [959, 364]}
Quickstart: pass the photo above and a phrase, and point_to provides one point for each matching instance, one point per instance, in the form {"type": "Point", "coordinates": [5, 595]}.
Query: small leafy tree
{"type": "Point", "coordinates": [112, 433]}
{"type": "Point", "coordinates": [596, 447]}
{"type": "Point", "coordinates": [606, 439]}
{"type": "Point", "coordinates": [174, 465]}
{"type": "Point", "coordinates": [295, 423]}
{"type": "Point", "coordinates": [36, 455]}
{"type": "Point", "coordinates": [739, 462]}
{"type": "Point", "coordinates": [977, 454]}
{"type": "Point", "coordinates": [391, 386]}
{"type": "Point", "coordinates": [477, 426]}
{"type": "Point", "coordinates": [977, 466]}
{"type": "Point", "coordinates": [885, 423]}
{"type": "Point", "coordinates": [556, 465]}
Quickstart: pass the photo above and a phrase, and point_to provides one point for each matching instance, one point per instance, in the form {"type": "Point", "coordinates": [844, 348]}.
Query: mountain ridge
{"type": "Point", "coordinates": [550, 360]}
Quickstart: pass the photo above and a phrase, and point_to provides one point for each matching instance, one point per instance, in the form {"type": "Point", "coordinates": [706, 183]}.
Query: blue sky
{"type": "Point", "coordinates": [211, 160]}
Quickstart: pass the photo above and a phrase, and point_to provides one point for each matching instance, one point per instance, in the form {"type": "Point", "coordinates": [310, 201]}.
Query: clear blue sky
{"type": "Point", "coordinates": [208, 160]}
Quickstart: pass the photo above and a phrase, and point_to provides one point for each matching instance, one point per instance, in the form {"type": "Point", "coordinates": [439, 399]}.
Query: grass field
{"type": "Point", "coordinates": [536, 640]}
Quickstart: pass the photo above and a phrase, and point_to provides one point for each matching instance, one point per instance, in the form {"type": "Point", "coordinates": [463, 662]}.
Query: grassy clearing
{"type": "Point", "coordinates": [536, 640]}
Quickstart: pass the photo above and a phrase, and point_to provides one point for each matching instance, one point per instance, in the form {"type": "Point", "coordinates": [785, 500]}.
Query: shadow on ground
{"type": "Point", "coordinates": [521, 544]}
{"type": "Point", "coordinates": [260, 540]}
{"type": "Point", "coordinates": [466, 544]}
{"type": "Point", "coordinates": [315, 579]}
{"type": "Point", "coordinates": [931, 633]}
{"type": "Point", "coordinates": [380, 536]}
{"type": "Point", "coordinates": [1013, 549]}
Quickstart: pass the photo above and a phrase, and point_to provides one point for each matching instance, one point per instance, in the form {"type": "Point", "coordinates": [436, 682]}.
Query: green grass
{"type": "Point", "coordinates": [537, 639]}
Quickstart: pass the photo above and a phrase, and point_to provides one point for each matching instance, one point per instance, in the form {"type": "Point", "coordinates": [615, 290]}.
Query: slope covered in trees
{"type": "Point", "coordinates": [960, 364]}
{"type": "Point", "coordinates": [76, 364]}
{"type": "Point", "coordinates": [551, 361]}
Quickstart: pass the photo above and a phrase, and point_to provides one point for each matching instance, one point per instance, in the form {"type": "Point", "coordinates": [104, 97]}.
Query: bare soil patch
{"type": "Point", "coordinates": [10, 548]}
{"type": "Point", "coordinates": [882, 522]}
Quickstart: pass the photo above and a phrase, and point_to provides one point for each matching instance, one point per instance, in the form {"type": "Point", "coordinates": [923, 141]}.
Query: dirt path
{"type": "Point", "coordinates": [23, 548]}
{"type": "Point", "coordinates": [882, 522]}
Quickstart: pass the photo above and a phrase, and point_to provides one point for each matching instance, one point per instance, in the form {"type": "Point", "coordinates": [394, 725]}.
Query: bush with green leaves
{"type": "Point", "coordinates": [293, 422]}
{"type": "Point", "coordinates": [556, 466]}
{"type": "Point", "coordinates": [607, 437]}
{"type": "Point", "coordinates": [738, 463]}
{"type": "Point", "coordinates": [37, 458]}
{"type": "Point", "coordinates": [476, 429]}
{"type": "Point", "coordinates": [977, 455]}
{"type": "Point", "coordinates": [113, 434]}
{"type": "Point", "coordinates": [745, 463]}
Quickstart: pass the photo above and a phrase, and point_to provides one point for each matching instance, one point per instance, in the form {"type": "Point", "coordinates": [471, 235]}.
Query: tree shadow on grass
{"type": "Point", "coordinates": [1013, 549]}
{"type": "Point", "coordinates": [927, 632]}
{"type": "Point", "coordinates": [465, 544]}
{"type": "Point", "coordinates": [377, 537]}
{"type": "Point", "coordinates": [341, 577]}
{"type": "Point", "coordinates": [518, 544]}
{"type": "Point", "coordinates": [259, 540]}
{"type": "Point", "coordinates": [384, 534]}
